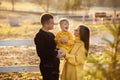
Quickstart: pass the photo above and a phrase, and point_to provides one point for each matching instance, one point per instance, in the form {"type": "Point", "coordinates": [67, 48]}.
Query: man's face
{"type": "Point", "coordinates": [50, 24]}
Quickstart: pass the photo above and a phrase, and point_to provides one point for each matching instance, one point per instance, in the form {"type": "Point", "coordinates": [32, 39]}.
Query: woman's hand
{"type": "Point", "coordinates": [61, 54]}
{"type": "Point", "coordinates": [64, 40]}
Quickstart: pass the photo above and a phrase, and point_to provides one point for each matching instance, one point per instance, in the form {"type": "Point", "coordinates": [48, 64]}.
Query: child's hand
{"type": "Point", "coordinates": [64, 40]}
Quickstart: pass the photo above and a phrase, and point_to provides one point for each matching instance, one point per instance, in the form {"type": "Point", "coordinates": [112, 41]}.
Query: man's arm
{"type": "Point", "coordinates": [43, 48]}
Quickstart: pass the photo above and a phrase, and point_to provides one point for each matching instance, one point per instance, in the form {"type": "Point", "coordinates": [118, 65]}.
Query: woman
{"type": "Point", "coordinates": [76, 59]}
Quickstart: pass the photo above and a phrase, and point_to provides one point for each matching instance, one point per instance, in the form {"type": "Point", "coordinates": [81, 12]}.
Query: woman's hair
{"type": "Point", "coordinates": [45, 17]}
{"type": "Point", "coordinates": [84, 36]}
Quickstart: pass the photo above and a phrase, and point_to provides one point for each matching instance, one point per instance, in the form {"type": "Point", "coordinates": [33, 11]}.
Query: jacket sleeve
{"type": "Point", "coordinates": [77, 59]}
{"type": "Point", "coordinates": [42, 46]}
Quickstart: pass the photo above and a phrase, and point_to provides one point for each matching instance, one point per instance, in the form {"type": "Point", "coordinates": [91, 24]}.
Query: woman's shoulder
{"type": "Point", "coordinates": [82, 43]}
{"type": "Point", "coordinates": [79, 44]}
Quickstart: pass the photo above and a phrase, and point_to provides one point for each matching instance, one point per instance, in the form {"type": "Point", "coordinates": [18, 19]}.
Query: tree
{"type": "Point", "coordinates": [76, 4]}
{"type": "Point", "coordinates": [67, 8]}
{"type": "Point", "coordinates": [13, 4]}
{"type": "Point", "coordinates": [85, 4]}
{"type": "Point", "coordinates": [115, 4]}
{"type": "Point", "coordinates": [107, 67]}
{"type": "Point", "coordinates": [0, 3]}
{"type": "Point", "coordinates": [47, 5]}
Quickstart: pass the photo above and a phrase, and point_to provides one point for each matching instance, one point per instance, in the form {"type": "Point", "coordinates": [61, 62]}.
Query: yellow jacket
{"type": "Point", "coordinates": [67, 46]}
{"type": "Point", "coordinates": [74, 62]}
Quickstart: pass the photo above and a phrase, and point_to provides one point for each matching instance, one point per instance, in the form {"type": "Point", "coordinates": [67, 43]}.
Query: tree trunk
{"type": "Point", "coordinates": [115, 13]}
{"type": "Point", "coordinates": [47, 6]}
{"type": "Point", "coordinates": [13, 4]}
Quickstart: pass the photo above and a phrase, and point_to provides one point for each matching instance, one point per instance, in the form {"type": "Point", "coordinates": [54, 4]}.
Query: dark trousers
{"type": "Point", "coordinates": [49, 72]}
{"type": "Point", "coordinates": [50, 76]}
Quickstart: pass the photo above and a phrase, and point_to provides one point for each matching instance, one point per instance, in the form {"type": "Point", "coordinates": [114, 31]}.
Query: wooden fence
{"type": "Point", "coordinates": [34, 68]}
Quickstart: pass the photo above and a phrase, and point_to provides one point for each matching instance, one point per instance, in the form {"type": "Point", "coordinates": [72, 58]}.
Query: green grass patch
{"type": "Point", "coordinates": [18, 32]}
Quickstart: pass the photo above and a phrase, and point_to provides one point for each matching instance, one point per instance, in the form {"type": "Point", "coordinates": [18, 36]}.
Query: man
{"type": "Point", "coordinates": [46, 49]}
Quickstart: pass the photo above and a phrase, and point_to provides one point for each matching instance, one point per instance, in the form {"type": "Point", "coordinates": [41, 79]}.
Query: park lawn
{"type": "Point", "coordinates": [28, 31]}
{"type": "Point", "coordinates": [18, 32]}
{"type": "Point", "coordinates": [17, 55]}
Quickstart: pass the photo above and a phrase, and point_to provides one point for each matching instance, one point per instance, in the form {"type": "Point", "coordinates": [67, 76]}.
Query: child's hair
{"type": "Point", "coordinates": [63, 19]}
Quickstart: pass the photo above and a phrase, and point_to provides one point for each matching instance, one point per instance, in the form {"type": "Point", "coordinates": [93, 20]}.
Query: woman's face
{"type": "Point", "coordinates": [76, 32]}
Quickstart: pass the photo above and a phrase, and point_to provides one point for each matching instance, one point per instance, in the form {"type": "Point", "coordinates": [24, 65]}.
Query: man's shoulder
{"type": "Point", "coordinates": [39, 34]}
{"type": "Point", "coordinates": [51, 33]}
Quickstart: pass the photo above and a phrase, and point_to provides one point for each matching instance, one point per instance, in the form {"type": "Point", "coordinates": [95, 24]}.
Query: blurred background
{"type": "Point", "coordinates": [28, 11]}
{"type": "Point", "coordinates": [20, 21]}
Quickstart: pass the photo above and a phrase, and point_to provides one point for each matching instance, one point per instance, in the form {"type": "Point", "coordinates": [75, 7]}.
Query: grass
{"type": "Point", "coordinates": [20, 32]}
{"type": "Point", "coordinates": [11, 56]}
{"type": "Point", "coordinates": [21, 76]}
{"type": "Point", "coordinates": [19, 56]}
{"type": "Point", "coordinates": [29, 31]}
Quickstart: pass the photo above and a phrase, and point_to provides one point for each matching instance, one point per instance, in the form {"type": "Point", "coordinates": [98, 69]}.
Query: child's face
{"type": "Point", "coordinates": [64, 26]}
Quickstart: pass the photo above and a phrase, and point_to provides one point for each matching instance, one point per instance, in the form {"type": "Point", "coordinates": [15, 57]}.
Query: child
{"type": "Point", "coordinates": [64, 38]}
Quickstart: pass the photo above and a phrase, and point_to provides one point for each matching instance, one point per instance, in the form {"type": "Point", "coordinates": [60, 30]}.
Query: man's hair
{"type": "Point", "coordinates": [45, 18]}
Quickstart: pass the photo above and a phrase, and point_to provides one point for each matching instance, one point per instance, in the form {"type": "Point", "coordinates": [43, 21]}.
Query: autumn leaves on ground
{"type": "Point", "coordinates": [26, 55]}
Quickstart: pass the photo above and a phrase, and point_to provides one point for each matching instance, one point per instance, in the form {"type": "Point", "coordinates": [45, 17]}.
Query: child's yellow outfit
{"type": "Point", "coordinates": [66, 47]}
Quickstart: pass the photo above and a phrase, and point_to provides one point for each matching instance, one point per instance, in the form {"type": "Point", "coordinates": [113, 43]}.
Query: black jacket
{"type": "Point", "coordinates": [46, 48]}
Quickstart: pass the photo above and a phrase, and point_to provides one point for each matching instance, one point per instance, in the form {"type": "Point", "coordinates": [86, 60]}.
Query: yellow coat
{"type": "Point", "coordinates": [67, 46]}
{"type": "Point", "coordinates": [74, 62]}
